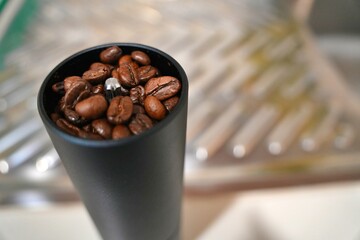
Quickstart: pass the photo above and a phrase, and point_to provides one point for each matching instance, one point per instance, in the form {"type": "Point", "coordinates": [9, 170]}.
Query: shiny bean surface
{"type": "Point", "coordinates": [137, 94]}
{"type": "Point", "coordinates": [146, 72]}
{"type": "Point", "coordinates": [111, 54]}
{"type": "Point", "coordinates": [128, 75]}
{"type": "Point", "coordinates": [140, 123]}
{"type": "Point", "coordinates": [92, 107]}
{"type": "Point", "coordinates": [154, 108]}
{"type": "Point", "coordinates": [140, 57]}
{"type": "Point", "coordinates": [78, 91]}
{"type": "Point", "coordinates": [120, 110]}
{"type": "Point", "coordinates": [69, 81]}
{"type": "Point", "coordinates": [98, 75]}
{"type": "Point", "coordinates": [102, 127]}
{"type": "Point", "coordinates": [170, 103]}
{"type": "Point", "coordinates": [120, 131]}
{"type": "Point", "coordinates": [163, 87]}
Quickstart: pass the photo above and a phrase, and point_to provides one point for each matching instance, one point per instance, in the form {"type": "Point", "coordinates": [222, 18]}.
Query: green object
{"type": "Point", "coordinates": [2, 5]}
{"type": "Point", "coordinates": [15, 32]}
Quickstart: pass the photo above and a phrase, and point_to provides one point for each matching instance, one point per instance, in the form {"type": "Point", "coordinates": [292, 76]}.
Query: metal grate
{"type": "Point", "coordinates": [257, 112]}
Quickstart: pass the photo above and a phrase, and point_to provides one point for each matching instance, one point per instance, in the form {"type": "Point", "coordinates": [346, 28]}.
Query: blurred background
{"type": "Point", "coordinates": [273, 113]}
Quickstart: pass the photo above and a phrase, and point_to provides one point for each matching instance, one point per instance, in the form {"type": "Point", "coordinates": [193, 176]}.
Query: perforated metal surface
{"type": "Point", "coordinates": [258, 113]}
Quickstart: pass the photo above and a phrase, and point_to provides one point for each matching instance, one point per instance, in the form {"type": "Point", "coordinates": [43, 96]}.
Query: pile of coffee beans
{"type": "Point", "coordinates": [118, 96]}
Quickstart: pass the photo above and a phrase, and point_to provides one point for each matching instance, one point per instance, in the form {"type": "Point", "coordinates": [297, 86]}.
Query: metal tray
{"type": "Point", "coordinates": [266, 107]}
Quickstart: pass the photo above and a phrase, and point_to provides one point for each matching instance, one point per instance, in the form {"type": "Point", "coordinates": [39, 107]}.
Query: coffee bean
{"type": "Point", "coordinates": [115, 73]}
{"type": "Point", "coordinates": [137, 94]}
{"type": "Point", "coordinates": [120, 110]}
{"type": "Point", "coordinates": [170, 103]}
{"type": "Point", "coordinates": [75, 131]}
{"type": "Point", "coordinates": [140, 57]}
{"type": "Point", "coordinates": [60, 106]}
{"type": "Point", "coordinates": [77, 92]}
{"type": "Point", "coordinates": [89, 135]}
{"type": "Point", "coordinates": [146, 72]}
{"type": "Point", "coordinates": [125, 59]}
{"type": "Point", "coordinates": [58, 87]}
{"type": "Point", "coordinates": [111, 67]}
{"type": "Point", "coordinates": [88, 128]}
{"type": "Point", "coordinates": [102, 127]}
{"type": "Point", "coordinates": [163, 87]}
{"type": "Point", "coordinates": [98, 89]}
{"type": "Point", "coordinates": [67, 127]}
{"type": "Point", "coordinates": [69, 81]}
{"type": "Point", "coordinates": [128, 74]}
{"type": "Point", "coordinates": [154, 108]}
{"type": "Point", "coordinates": [98, 75]}
{"type": "Point", "coordinates": [92, 107]}
{"type": "Point", "coordinates": [55, 116]}
{"type": "Point", "coordinates": [74, 117]}
{"type": "Point", "coordinates": [120, 131]}
{"type": "Point", "coordinates": [140, 123]}
{"type": "Point", "coordinates": [97, 65]}
{"type": "Point", "coordinates": [138, 109]}
{"type": "Point", "coordinates": [111, 54]}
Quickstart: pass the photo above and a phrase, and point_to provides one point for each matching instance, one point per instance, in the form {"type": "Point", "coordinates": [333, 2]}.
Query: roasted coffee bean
{"type": "Point", "coordinates": [95, 76]}
{"type": "Point", "coordinates": [138, 109]}
{"type": "Point", "coordinates": [58, 87]}
{"type": "Point", "coordinates": [111, 54]}
{"type": "Point", "coordinates": [78, 91]}
{"type": "Point", "coordinates": [115, 73]}
{"type": "Point", "coordinates": [61, 105]}
{"type": "Point", "coordinates": [111, 67]}
{"type": "Point", "coordinates": [67, 127]}
{"type": "Point", "coordinates": [140, 123]}
{"type": "Point", "coordinates": [120, 131]}
{"type": "Point", "coordinates": [89, 135]}
{"type": "Point", "coordinates": [92, 107]}
{"type": "Point", "coordinates": [55, 116]}
{"type": "Point", "coordinates": [102, 127]}
{"type": "Point", "coordinates": [125, 59]}
{"type": "Point", "coordinates": [137, 94]}
{"type": "Point", "coordinates": [140, 57]}
{"type": "Point", "coordinates": [163, 87]}
{"type": "Point", "coordinates": [88, 128]}
{"type": "Point", "coordinates": [69, 81]}
{"type": "Point", "coordinates": [83, 95]}
{"type": "Point", "coordinates": [128, 76]}
{"type": "Point", "coordinates": [75, 131]}
{"type": "Point", "coordinates": [154, 108]}
{"type": "Point", "coordinates": [97, 65]}
{"type": "Point", "coordinates": [74, 117]}
{"type": "Point", "coordinates": [171, 103]}
{"type": "Point", "coordinates": [146, 72]}
{"type": "Point", "coordinates": [98, 89]}
{"type": "Point", "coordinates": [120, 110]}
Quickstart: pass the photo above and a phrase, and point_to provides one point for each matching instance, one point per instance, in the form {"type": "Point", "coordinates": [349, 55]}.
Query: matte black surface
{"type": "Point", "coordinates": [131, 187]}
